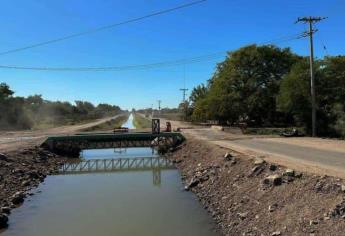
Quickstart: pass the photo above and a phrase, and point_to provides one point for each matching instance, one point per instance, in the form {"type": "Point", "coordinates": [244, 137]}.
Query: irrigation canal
{"type": "Point", "coordinates": [134, 201]}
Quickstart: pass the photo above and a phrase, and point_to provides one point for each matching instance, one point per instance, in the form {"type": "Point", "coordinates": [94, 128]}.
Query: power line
{"type": "Point", "coordinates": [101, 28]}
{"type": "Point", "coordinates": [282, 39]}
{"type": "Point", "coordinates": [192, 60]}
{"type": "Point", "coordinates": [323, 45]}
{"type": "Point", "coordinates": [122, 68]}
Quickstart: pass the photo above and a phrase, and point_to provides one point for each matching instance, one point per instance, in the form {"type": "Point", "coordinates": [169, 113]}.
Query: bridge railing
{"type": "Point", "coordinates": [71, 145]}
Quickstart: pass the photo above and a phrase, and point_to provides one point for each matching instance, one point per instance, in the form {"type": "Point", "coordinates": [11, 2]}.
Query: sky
{"type": "Point", "coordinates": [209, 27]}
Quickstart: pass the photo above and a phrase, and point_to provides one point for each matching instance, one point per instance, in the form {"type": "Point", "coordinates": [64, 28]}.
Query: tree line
{"type": "Point", "coordinates": [35, 112]}
{"type": "Point", "coordinates": [267, 86]}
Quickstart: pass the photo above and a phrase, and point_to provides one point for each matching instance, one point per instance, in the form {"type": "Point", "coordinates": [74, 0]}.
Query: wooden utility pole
{"type": "Point", "coordinates": [151, 110]}
{"type": "Point", "coordinates": [184, 91]}
{"type": "Point", "coordinates": [310, 20]}
{"type": "Point", "coordinates": [159, 107]}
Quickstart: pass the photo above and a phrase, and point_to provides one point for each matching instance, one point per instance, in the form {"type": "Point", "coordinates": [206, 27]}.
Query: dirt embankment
{"type": "Point", "coordinates": [20, 171]}
{"type": "Point", "coordinates": [11, 141]}
{"type": "Point", "coordinates": [249, 196]}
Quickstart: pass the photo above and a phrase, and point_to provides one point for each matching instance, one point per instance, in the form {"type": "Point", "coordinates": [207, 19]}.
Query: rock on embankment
{"type": "Point", "coordinates": [20, 171]}
{"type": "Point", "coordinates": [253, 197]}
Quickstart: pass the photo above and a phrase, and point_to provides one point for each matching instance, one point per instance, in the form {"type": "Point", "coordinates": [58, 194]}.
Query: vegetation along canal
{"type": "Point", "coordinates": [127, 202]}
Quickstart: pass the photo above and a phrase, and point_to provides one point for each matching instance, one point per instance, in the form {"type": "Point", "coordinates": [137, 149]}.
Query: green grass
{"type": "Point", "coordinates": [109, 125]}
{"type": "Point", "coordinates": [140, 122]}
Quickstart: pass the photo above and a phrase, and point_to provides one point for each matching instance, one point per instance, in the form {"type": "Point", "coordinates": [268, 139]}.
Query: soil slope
{"type": "Point", "coordinates": [249, 196]}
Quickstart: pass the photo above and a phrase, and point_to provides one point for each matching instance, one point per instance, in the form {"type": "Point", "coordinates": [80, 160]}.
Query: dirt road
{"type": "Point", "coordinates": [315, 155]}
{"type": "Point", "coordinates": [13, 140]}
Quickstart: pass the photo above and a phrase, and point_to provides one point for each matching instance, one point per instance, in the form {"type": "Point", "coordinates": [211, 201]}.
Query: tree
{"type": "Point", "coordinates": [12, 114]}
{"type": "Point", "coordinates": [199, 92]}
{"type": "Point", "coordinates": [339, 126]}
{"type": "Point", "coordinates": [334, 92]}
{"type": "Point", "coordinates": [245, 85]}
{"type": "Point", "coordinates": [294, 95]}
{"type": "Point", "coordinates": [25, 113]}
{"type": "Point", "coordinates": [106, 109]}
{"type": "Point", "coordinates": [84, 108]}
{"type": "Point", "coordinates": [5, 91]}
{"type": "Point", "coordinates": [185, 110]}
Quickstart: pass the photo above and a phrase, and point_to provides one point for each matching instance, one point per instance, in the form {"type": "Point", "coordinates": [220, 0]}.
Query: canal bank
{"type": "Point", "coordinates": [25, 165]}
{"type": "Point", "coordinates": [128, 202]}
{"type": "Point", "coordinates": [247, 196]}
{"type": "Point", "coordinates": [244, 196]}
{"type": "Point", "coordinates": [20, 172]}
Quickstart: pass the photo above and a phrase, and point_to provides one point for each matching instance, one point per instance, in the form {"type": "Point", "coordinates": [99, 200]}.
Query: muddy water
{"type": "Point", "coordinates": [145, 203]}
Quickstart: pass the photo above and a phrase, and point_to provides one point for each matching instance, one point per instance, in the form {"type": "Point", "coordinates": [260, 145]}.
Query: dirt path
{"type": "Point", "coordinates": [13, 140]}
{"type": "Point", "coordinates": [313, 155]}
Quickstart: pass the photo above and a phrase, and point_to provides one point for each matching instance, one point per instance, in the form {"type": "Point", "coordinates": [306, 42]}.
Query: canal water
{"type": "Point", "coordinates": [126, 203]}
{"type": "Point", "coordinates": [129, 123]}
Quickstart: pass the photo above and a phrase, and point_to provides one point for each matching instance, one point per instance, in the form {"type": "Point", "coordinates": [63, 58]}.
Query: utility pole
{"type": "Point", "coordinates": [184, 91]}
{"type": "Point", "coordinates": [159, 107]}
{"type": "Point", "coordinates": [310, 20]}
{"type": "Point", "coordinates": [151, 111]}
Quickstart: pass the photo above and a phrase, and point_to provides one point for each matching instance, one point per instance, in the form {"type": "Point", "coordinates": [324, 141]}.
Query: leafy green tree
{"type": "Point", "coordinates": [245, 85]}
{"type": "Point", "coordinates": [11, 110]}
{"type": "Point", "coordinates": [5, 91]}
{"type": "Point", "coordinates": [339, 125]}
{"type": "Point", "coordinates": [84, 108]}
{"type": "Point", "coordinates": [199, 92]}
{"type": "Point", "coordinates": [106, 109]}
{"type": "Point", "coordinates": [294, 95]}
{"type": "Point", "coordinates": [200, 110]}
{"type": "Point", "coordinates": [33, 111]}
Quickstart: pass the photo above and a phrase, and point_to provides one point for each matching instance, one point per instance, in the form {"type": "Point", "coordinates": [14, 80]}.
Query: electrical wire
{"type": "Point", "coordinates": [323, 45]}
{"type": "Point", "coordinates": [122, 68]}
{"type": "Point", "coordinates": [283, 39]}
{"type": "Point", "coordinates": [101, 28]}
{"type": "Point", "coordinates": [178, 62]}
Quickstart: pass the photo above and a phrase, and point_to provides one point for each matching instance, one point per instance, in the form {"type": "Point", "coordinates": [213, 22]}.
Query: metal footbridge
{"type": "Point", "coordinates": [73, 144]}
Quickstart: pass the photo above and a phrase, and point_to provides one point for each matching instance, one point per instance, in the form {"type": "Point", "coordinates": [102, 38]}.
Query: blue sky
{"type": "Point", "coordinates": [212, 26]}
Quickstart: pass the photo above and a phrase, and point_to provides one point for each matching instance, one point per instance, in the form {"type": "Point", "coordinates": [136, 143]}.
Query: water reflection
{"type": "Point", "coordinates": [120, 159]}
{"type": "Point", "coordinates": [113, 153]}
{"type": "Point", "coordinates": [156, 177]}
{"type": "Point", "coordinates": [120, 151]}
{"type": "Point", "coordinates": [154, 164]}
{"type": "Point", "coordinates": [122, 203]}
